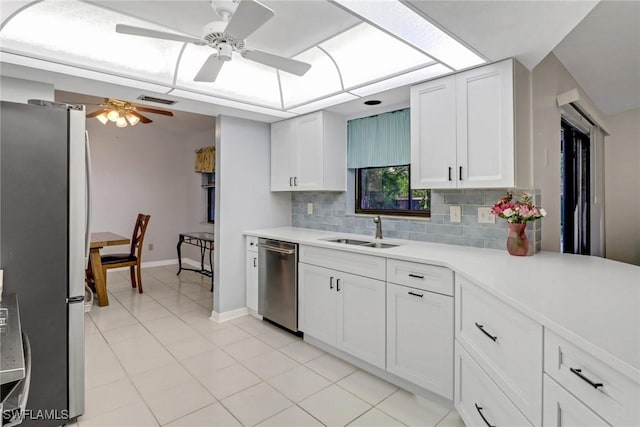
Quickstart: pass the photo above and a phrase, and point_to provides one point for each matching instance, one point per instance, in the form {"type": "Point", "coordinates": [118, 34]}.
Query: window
{"type": "Point", "coordinates": [387, 190]}
{"type": "Point", "coordinates": [209, 186]}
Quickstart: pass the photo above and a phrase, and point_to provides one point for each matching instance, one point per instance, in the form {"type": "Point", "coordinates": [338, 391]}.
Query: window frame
{"type": "Point", "coordinates": [387, 212]}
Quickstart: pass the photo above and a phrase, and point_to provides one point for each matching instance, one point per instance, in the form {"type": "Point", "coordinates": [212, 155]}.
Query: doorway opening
{"type": "Point", "coordinates": [575, 193]}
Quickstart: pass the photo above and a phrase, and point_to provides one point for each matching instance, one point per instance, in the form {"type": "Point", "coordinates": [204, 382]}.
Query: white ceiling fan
{"type": "Point", "coordinates": [227, 36]}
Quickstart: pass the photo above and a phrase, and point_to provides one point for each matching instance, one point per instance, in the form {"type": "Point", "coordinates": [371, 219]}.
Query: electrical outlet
{"type": "Point", "coordinates": [150, 246]}
{"type": "Point", "coordinates": [455, 213]}
{"type": "Point", "coordinates": [310, 208]}
{"type": "Point", "coordinates": [485, 216]}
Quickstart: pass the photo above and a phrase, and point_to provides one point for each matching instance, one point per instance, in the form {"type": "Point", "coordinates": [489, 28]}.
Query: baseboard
{"type": "Point", "coordinates": [193, 263]}
{"type": "Point", "coordinates": [229, 315]}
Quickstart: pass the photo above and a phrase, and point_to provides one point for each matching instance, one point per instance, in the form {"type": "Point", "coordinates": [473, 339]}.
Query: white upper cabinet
{"type": "Point", "coordinates": [463, 129]}
{"type": "Point", "coordinates": [308, 153]}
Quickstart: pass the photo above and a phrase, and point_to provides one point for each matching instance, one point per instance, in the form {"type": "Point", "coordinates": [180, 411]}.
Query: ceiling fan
{"type": "Point", "coordinates": [228, 36]}
{"type": "Point", "coordinates": [124, 113]}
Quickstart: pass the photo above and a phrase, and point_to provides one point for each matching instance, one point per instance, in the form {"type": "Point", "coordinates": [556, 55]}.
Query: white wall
{"type": "Point", "coordinates": [19, 90]}
{"type": "Point", "coordinates": [549, 79]}
{"type": "Point", "coordinates": [622, 187]}
{"type": "Point", "coordinates": [148, 169]}
{"type": "Point", "coordinates": [243, 202]}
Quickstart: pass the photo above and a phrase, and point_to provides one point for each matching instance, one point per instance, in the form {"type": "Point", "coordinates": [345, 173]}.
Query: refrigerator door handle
{"type": "Point", "coordinates": [87, 237]}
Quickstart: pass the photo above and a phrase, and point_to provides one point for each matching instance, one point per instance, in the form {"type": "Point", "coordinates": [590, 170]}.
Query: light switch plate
{"type": "Point", "coordinates": [455, 213]}
{"type": "Point", "coordinates": [485, 216]}
{"type": "Point", "coordinates": [309, 208]}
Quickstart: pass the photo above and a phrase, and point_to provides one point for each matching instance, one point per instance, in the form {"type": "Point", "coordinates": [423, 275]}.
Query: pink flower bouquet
{"type": "Point", "coordinates": [517, 212]}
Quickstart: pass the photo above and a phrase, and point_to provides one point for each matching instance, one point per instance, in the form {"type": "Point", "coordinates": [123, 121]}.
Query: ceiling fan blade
{"type": "Point", "coordinates": [154, 111]}
{"type": "Point", "coordinates": [94, 114]}
{"type": "Point", "coordinates": [142, 118]}
{"type": "Point", "coordinates": [292, 66]}
{"type": "Point", "coordinates": [248, 17]}
{"type": "Point", "coordinates": [145, 32]}
{"type": "Point", "coordinates": [210, 69]}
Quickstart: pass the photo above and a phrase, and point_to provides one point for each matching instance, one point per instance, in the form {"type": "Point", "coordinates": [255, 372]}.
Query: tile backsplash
{"type": "Point", "coordinates": [331, 212]}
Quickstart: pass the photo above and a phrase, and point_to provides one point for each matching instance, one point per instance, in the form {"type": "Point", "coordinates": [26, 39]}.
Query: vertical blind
{"type": "Point", "coordinates": [378, 141]}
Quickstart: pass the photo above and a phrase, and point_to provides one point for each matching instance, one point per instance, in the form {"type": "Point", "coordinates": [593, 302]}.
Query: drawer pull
{"type": "Point", "coordinates": [338, 285]}
{"type": "Point", "coordinates": [331, 282]}
{"type": "Point", "coordinates": [479, 409]}
{"type": "Point", "coordinates": [416, 295]}
{"type": "Point", "coordinates": [417, 276]}
{"type": "Point", "coordinates": [254, 261]}
{"type": "Point", "coordinates": [481, 327]}
{"type": "Point", "coordinates": [578, 372]}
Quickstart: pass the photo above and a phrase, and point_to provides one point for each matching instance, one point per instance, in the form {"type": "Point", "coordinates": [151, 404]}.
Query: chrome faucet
{"type": "Point", "coordinates": [378, 222]}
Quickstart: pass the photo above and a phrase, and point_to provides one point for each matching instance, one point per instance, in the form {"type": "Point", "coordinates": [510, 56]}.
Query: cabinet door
{"type": "Point", "coordinates": [420, 338]}
{"type": "Point", "coordinates": [252, 280]}
{"type": "Point", "coordinates": [361, 318]}
{"type": "Point", "coordinates": [561, 409]}
{"type": "Point", "coordinates": [433, 134]}
{"type": "Point", "coordinates": [317, 305]}
{"type": "Point", "coordinates": [485, 126]}
{"type": "Point", "coordinates": [282, 152]}
{"type": "Point", "coordinates": [309, 138]}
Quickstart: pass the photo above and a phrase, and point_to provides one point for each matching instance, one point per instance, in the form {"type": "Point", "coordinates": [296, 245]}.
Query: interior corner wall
{"type": "Point", "coordinates": [622, 179]}
{"type": "Point", "coordinates": [19, 90]}
{"type": "Point", "coordinates": [148, 169]}
{"type": "Point", "coordinates": [549, 78]}
{"type": "Point", "coordinates": [244, 201]}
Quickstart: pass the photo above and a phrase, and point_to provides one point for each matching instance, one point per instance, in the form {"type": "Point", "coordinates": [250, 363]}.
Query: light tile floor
{"type": "Point", "coordinates": [157, 359]}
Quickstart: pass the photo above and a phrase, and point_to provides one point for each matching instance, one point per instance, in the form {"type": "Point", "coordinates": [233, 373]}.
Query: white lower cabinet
{"type": "Point", "coordinates": [420, 338]}
{"type": "Point", "coordinates": [343, 310]}
{"type": "Point", "coordinates": [479, 401]}
{"type": "Point", "coordinates": [561, 409]}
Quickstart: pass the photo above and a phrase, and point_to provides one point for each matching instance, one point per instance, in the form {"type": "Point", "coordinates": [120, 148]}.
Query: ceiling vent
{"type": "Point", "coordinates": [156, 100]}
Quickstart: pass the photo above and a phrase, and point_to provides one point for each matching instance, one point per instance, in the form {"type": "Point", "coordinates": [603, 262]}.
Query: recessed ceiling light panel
{"type": "Point", "coordinates": [401, 21]}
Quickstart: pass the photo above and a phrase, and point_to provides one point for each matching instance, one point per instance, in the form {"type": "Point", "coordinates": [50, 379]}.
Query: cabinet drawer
{"type": "Point", "coordinates": [421, 276]}
{"type": "Point", "coordinates": [616, 400]}
{"type": "Point", "coordinates": [348, 262]}
{"type": "Point", "coordinates": [561, 409]}
{"type": "Point", "coordinates": [252, 243]}
{"type": "Point", "coordinates": [505, 342]}
{"type": "Point", "coordinates": [478, 400]}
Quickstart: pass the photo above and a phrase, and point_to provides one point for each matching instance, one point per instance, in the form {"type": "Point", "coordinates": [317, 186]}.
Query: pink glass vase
{"type": "Point", "coordinates": [517, 242]}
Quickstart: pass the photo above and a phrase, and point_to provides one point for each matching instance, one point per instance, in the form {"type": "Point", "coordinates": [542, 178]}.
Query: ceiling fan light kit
{"type": "Point", "coordinates": [123, 113]}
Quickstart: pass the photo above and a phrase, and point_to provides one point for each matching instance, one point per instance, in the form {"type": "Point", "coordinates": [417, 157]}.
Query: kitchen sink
{"type": "Point", "coordinates": [348, 241]}
{"type": "Point", "coordinates": [380, 245]}
{"type": "Point", "coordinates": [363, 243]}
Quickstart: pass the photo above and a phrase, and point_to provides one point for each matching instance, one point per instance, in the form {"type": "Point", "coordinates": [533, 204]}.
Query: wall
{"type": "Point", "coordinates": [243, 202]}
{"type": "Point", "coordinates": [549, 79]}
{"type": "Point", "coordinates": [334, 212]}
{"type": "Point", "coordinates": [148, 169]}
{"type": "Point", "coordinates": [622, 179]}
{"type": "Point", "coordinates": [18, 90]}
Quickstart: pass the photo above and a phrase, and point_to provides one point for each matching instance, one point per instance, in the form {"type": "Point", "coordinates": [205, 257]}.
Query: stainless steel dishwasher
{"type": "Point", "coordinates": [278, 282]}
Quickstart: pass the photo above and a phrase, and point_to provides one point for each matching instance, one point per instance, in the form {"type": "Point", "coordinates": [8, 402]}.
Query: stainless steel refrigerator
{"type": "Point", "coordinates": [44, 239]}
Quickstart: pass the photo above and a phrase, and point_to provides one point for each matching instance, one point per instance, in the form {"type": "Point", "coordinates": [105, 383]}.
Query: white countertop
{"type": "Point", "coordinates": [591, 301]}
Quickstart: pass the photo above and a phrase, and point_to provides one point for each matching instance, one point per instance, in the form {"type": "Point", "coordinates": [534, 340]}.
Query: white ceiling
{"type": "Point", "coordinates": [602, 52]}
{"type": "Point", "coordinates": [603, 55]}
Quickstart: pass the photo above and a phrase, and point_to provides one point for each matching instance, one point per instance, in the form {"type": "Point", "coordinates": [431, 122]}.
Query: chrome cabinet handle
{"type": "Point", "coordinates": [579, 373]}
{"type": "Point", "coordinates": [460, 173]}
{"type": "Point", "coordinates": [331, 282]}
{"type": "Point", "coordinates": [416, 295]}
{"type": "Point", "coordinates": [417, 276]}
{"type": "Point", "coordinates": [481, 327]}
{"type": "Point", "coordinates": [449, 173]}
{"type": "Point", "coordinates": [290, 181]}
{"type": "Point", "coordinates": [295, 181]}
{"type": "Point", "coordinates": [338, 285]}
{"type": "Point", "coordinates": [254, 262]}
{"type": "Point", "coordinates": [479, 409]}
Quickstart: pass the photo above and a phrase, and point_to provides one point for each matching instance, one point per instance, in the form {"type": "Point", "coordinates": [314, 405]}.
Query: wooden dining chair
{"type": "Point", "coordinates": [134, 257]}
